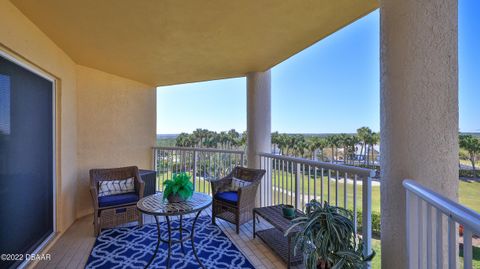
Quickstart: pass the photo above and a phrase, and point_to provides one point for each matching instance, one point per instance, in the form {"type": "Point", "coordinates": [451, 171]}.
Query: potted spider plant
{"type": "Point", "coordinates": [178, 189]}
{"type": "Point", "coordinates": [327, 239]}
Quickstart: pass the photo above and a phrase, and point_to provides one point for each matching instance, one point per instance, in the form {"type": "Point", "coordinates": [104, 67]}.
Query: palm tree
{"type": "Point", "coordinates": [332, 142]}
{"type": "Point", "coordinates": [472, 145]}
{"type": "Point", "coordinates": [363, 133]}
{"type": "Point", "coordinates": [338, 143]}
{"type": "Point", "coordinates": [354, 140]}
{"type": "Point", "coordinates": [313, 145]}
{"type": "Point", "coordinates": [290, 144]}
{"type": "Point", "coordinates": [223, 139]}
{"type": "Point", "coordinates": [284, 144]}
{"type": "Point", "coordinates": [342, 141]}
{"type": "Point", "coordinates": [200, 135]}
{"type": "Point", "coordinates": [371, 139]}
{"type": "Point", "coordinates": [374, 139]}
{"type": "Point", "coordinates": [349, 143]}
{"type": "Point", "coordinates": [182, 140]}
{"type": "Point", "coordinates": [298, 144]}
{"type": "Point", "coordinates": [242, 142]}
{"type": "Point", "coordinates": [211, 139]}
{"type": "Point", "coordinates": [275, 141]}
{"type": "Point", "coordinates": [322, 144]}
{"type": "Point", "coordinates": [233, 137]}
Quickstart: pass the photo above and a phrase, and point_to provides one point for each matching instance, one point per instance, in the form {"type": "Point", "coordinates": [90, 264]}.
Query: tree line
{"type": "Point", "coordinates": [332, 148]}
{"type": "Point", "coordinates": [203, 138]}
{"type": "Point", "coordinates": [342, 147]}
{"type": "Point", "coordinates": [358, 148]}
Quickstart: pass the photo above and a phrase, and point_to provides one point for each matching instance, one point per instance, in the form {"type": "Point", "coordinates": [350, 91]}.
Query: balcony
{"type": "Point", "coordinates": [99, 63]}
{"type": "Point", "coordinates": [296, 181]}
{"type": "Point", "coordinates": [288, 180]}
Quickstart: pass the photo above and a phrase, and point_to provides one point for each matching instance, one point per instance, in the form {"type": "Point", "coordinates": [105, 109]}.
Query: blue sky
{"type": "Point", "coordinates": [330, 87]}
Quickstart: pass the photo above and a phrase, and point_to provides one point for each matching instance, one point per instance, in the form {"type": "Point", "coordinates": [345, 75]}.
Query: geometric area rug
{"type": "Point", "coordinates": [132, 247]}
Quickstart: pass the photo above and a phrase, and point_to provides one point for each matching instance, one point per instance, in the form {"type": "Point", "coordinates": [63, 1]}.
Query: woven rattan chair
{"type": "Point", "coordinates": [236, 206]}
{"type": "Point", "coordinates": [113, 210]}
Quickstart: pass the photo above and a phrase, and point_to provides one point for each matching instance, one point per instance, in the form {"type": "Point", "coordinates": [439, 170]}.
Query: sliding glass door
{"type": "Point", "coordinates": [27, 160]}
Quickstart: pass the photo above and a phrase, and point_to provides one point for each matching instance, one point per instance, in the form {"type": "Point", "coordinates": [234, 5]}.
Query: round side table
{"type": "Point", "coordinates": [156, 206]}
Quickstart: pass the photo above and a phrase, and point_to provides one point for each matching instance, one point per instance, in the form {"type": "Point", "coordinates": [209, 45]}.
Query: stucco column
{"type": "Point", "coordinates": [258, 119]}
{"type": "Point", "coordinates": [258, 116]}
{"type": "Point", "coordinates": [419, 110]}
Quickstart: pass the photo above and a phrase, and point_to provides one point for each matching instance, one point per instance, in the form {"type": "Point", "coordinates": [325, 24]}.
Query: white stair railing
{"type": "Point", "coordinates": [426, 215]}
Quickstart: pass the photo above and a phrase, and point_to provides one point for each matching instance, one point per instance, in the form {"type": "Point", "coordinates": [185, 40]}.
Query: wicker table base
{"type": "Point", "coordinates": [274, 237]}
{"type": "Point", "coordinates": [280, 245]}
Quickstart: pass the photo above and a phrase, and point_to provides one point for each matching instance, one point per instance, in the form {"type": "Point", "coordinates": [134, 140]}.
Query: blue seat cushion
{"type": "Point", "coordinates": [117, 199]}
{"type": "Point", "coordinates": [227, 196]}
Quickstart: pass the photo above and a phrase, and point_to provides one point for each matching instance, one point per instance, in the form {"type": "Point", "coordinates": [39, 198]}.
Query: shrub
{"type": "Point", "coordinates": [468, 173]}
{"type": "Point", "coordinates": [375, 222]}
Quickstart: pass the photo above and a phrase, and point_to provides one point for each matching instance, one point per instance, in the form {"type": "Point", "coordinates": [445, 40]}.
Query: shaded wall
{"type": "Point", "coordinates": [21, 38]}
{"type": "Point", "coordinates": [116, 126]}
{"type": "Point", "coordinates": [102, 120]}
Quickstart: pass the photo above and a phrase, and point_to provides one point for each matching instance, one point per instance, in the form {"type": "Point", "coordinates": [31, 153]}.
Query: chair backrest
{"type": "Point", "coordinates": [248, 174]}
{"type": "Point", "coordinates": [97, 175]}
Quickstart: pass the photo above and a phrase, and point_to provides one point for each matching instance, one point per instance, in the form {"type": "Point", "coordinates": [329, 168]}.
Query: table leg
{"type": "Point", "coordinates": [169, 241]}
{"type": "Point", "coordinates": [181, 234]}
{"type": "Point", "coordinates": [193, 240]}
{"type": "Point", "coordinates": [254, 223]}
{"type": "Point", "coordinates": [158, 243]}
{"type": "Point", "coordinates": [289, 250]}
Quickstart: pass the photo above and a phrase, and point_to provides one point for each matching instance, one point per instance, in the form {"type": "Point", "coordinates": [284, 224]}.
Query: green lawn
{"type": "Point", "coordinates": [476, 257]}
{"type": "Point", "coordinates": [376, 262]}
{"type": "Point", "coordinates": [469, 192]}
{"type": "Point", "coordinates": [310, 185]}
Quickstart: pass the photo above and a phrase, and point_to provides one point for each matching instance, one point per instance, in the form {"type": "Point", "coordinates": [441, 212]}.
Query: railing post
{"type": "Point", "coordinates": [297, 185]}
{"type": "Point", "coordinates": [467, 248]}
{"type": "Point", "coordinates": [194, 168]}
{"type": "Point", "coordinates": [412, 229]}
{"type": "Point", "coordinates": [155, 160]}
{"type": "Point", "coordinates": [367, 216]}
{"type": "Point", "coordinates": [242, 159]}
{"type": "Point", "coordinates": [260, 195]}
{"type": "Point", "coordinates": [452, 243]}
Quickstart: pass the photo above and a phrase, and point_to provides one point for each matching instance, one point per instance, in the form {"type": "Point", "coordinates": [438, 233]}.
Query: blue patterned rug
{"type": "Point", "coordinates": [132, 247]}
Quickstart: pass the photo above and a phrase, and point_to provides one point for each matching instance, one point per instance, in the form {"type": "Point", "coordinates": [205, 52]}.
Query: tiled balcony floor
{"type": "Point", "coordinates": [72, 249]}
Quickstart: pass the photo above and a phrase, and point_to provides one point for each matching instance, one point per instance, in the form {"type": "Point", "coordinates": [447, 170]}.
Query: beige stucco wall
{"type": "Point", "coordinates": [102, 120]}
{"type": "Point", "coordinates": [21, 38]}
{"type": "Point", "coordinates": [419, 111]}
{"type": "Point", "coordinates": [116, 126]}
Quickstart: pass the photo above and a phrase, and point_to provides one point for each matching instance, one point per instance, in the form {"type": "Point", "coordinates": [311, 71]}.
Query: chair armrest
{"type": "Point", "coordinates": [139, 185]}
{"type": "Point", "coordinates": [217, 184]}
{"type": "Point", "coordinates": [94, 193]}
{"type": "Point", "coordinates": [247, 194]}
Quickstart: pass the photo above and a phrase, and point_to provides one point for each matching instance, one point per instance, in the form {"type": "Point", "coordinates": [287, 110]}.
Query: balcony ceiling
{"type": "Point", "coordinates": [164, 42]}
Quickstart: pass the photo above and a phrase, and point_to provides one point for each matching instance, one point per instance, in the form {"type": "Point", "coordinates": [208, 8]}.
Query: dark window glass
{"type": "Point", "coordinates": [26, 160]}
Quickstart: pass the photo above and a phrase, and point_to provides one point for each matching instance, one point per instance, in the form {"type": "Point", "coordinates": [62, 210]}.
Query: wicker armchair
{"type": "Point", "coordinates": [113, 210]}
{"type": "Point", "coordinates": [236, 207]}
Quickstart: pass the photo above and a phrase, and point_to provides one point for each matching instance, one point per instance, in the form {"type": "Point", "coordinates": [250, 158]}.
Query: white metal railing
{"type": "Point", "coordinates": [288, 180]}
{"type": "Point", "coordinates": [426, 214]}
{"type": "Point", "coordinates": [296, 181]}
{"type": "Point", "coordinates": [202, 164]}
